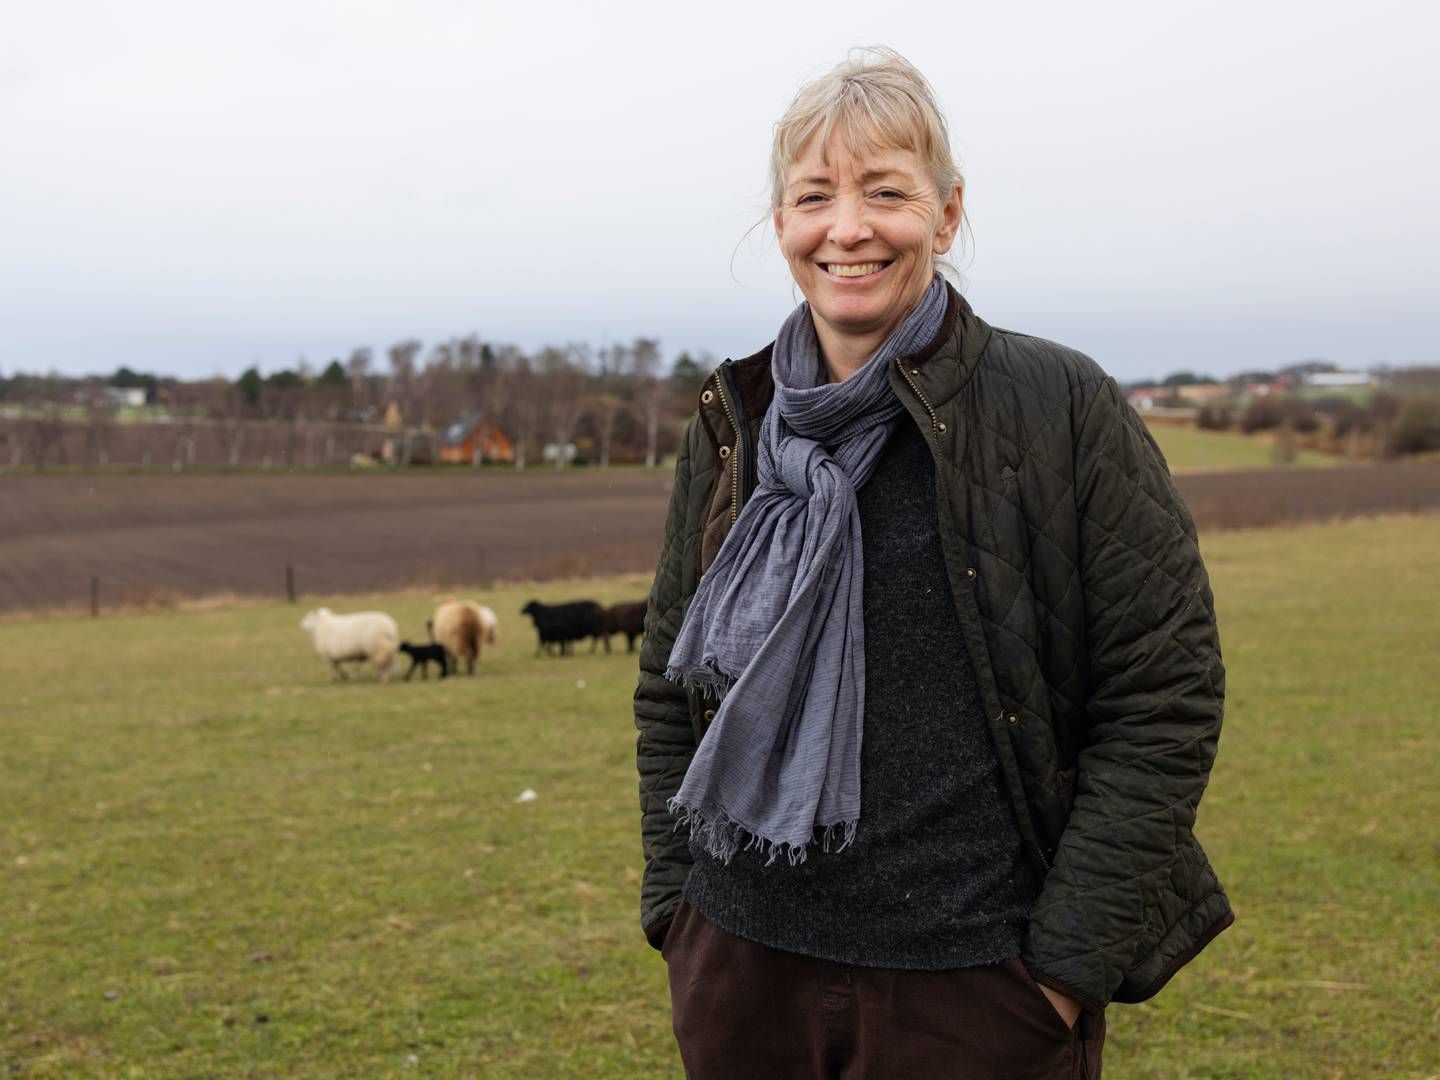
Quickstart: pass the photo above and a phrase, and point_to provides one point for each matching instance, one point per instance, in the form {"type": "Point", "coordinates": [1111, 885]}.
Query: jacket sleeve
{"type": "Point", "coordinates": [666, 740]}
{"type": "Point", "coordinates": [1156, 695]}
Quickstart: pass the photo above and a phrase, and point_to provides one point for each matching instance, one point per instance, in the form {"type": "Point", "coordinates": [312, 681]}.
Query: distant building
{"type": "Point", "coordinates": [125, 397]}
{"type": "Point", "coordinates": [1333, 379]}
{"type": "Point", "coordinates": [470, 440]}
{"type": "Point", "coordinates": [1145, 398]}
{"type": "Point", "coordinates": [1264, 389]}
{"type": "Point", "coordinates": [1204, 393]}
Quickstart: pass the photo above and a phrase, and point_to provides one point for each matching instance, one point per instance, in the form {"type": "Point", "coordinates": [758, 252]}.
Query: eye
{"type": "Point", "coordinates": [810, 198]}
{"type": "Point", "coordinates": [888, 194]}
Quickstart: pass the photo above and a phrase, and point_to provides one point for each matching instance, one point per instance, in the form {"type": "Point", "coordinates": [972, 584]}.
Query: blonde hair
{"type": "Point", "coordinates": [874, 99]}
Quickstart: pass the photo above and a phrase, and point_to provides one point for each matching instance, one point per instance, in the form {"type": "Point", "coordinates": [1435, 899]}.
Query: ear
{"type": "Point", "coordinates": [952, 212]}
{"type": "Point", "coordinates": [778, 219]}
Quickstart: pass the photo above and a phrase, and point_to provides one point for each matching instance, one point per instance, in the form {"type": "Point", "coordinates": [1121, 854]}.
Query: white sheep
{"type": "Point", "coordinates": [464, 628]}
{"type": "Point", "coordinates": [365, 635]}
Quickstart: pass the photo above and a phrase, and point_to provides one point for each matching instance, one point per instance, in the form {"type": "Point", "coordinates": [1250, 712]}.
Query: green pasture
{"type": "Point", "coordinates": [215, 862]}
{"type": "Point", "coordinates": [1189, 449]}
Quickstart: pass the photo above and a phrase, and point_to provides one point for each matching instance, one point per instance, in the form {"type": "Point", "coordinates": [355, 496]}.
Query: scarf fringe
{"type": "Point", "coordinates": [722, 836]}
{"type": "Point", "coordinates": [703, 678]}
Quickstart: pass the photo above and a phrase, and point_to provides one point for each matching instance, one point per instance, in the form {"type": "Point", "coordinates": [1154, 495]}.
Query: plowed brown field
{"type": "Point", "coordinates": [153, 538]}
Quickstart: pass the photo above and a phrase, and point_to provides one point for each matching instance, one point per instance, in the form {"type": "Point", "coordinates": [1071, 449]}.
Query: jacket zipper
{"type": "Point", "coordinates": [732, 413]}
{"type": "Point", "coordinates": [935, 438]}
{"type": "Point", "coordinates": [934, 420]}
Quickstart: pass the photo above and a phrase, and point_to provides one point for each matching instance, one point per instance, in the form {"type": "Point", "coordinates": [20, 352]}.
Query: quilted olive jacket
{"type": "Point", "coordinates": [1088, 615]}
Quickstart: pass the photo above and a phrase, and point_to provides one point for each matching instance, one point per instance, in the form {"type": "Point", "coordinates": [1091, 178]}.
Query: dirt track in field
{"type": "Point", "coordinates": [154, 538]}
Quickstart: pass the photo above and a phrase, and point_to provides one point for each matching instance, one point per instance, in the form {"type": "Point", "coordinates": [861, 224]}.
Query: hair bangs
{"type": "Point", "coordinates": [873, 102]}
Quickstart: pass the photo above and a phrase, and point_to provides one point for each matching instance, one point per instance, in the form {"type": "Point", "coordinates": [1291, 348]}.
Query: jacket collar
{"type": "Point", "coordinates": [944, 366]}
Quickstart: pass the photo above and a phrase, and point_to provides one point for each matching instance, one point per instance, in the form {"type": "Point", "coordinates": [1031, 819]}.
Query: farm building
{"type": "Point", "coordinates": [1333, 379]}
{"type": "Point", "coordinates": [1204, 393]}
{"type": "Point", "coordinates": [471, 440]}
{"type": "Point", "coordinates": [125, 397]}
{"type": "Point", "coordinates": [1264, 389]}
{"type": "Point", "coordinates": [408, 448]}
{"type": "Point", "coordinates": [1189, 396]}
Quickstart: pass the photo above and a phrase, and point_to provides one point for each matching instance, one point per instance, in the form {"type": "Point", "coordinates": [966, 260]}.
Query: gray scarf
{"type": "Point", "coordinates": [776, 627]}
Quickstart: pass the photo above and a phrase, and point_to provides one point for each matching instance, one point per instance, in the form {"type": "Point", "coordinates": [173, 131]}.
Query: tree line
{"type": "Point", "coordinates": [619, 403]}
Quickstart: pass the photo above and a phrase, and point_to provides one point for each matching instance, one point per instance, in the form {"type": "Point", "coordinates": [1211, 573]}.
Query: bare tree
{"type": "Point", "coordinates": [21, 440]}
{"type": "Point", "coordinates": [310, 433]}
{"type": "Point", "coordinates": [444, 354]}
{"type": "Point", "coordinates": [650, 393]}
{"type": "Point", "coordinates": [1384, 408]}
{"type": "Point", "coordinates": [12, 438]}
{"type": "Point", "coordinates": [442, 383]}
{"type": "Point", "coordinates": [605, 406]}
{"type": "Point", "coordinates": [563, 371]}
{"type": "Point", "coordinates": [469, 353]}
{"type": "Point", "coordinates": [184, 447]}
{"type": "Point", "coordinates": [607, 401]}
{"type": "Point", "coordinates": [46, 431]}
{"type": "Point", "coordinates": [146, 432]}
{"type": "Point", "coordinates": [358, 368]}
{"type": "Point", "coordinates": [228, 407]}
{"type": "Point", "coordinates": [401, 387]}
{"type": "Point", "coordinates": [99, 418]}
{"type": "Point", "coordinates": [524, 392]}
{"type": "Point", "coordinates": [281, 402]}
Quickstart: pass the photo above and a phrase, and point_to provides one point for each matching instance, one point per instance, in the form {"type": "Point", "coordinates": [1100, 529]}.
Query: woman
{"type": "Point", "coordinates": [931, 684]}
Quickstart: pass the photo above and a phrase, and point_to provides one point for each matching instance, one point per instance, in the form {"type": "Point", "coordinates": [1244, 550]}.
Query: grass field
{"type": "Point", "coordinates": [1189, 449]}
{"type": "Point", "coordinates": [214, 862]}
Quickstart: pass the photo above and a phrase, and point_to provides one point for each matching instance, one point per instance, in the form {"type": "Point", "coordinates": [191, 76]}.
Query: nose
{"type": "Point", "coordinates": [849, 225]}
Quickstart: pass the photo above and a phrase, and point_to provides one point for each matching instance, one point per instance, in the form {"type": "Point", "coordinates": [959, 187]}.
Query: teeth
{"type": "Point", "coordinates": [855, 270]}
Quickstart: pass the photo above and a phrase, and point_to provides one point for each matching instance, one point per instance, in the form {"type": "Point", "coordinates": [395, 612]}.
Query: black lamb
{"type": "Point", "coordinates": [421, 656]}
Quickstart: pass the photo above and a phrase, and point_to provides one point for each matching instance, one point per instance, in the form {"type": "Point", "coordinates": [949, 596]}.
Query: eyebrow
{"type": "Point", "coordinates": [868, 175]}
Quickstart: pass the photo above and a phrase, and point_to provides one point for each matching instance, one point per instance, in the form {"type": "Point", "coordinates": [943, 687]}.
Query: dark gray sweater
{"type": "Point", "coordinates": [936, 877]}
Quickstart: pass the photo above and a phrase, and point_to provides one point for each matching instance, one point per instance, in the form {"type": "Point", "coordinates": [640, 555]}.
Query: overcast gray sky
{"type": "Point", "coordinates": [193, 187]}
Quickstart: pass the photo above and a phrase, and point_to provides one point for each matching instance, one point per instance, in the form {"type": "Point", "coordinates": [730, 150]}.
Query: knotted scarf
{"type": "Point", "coordinates": [775, 630]}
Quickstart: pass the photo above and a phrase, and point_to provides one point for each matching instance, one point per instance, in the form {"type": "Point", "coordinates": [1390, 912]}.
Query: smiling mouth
{"type": "Point", "coordinates": [854, 270]}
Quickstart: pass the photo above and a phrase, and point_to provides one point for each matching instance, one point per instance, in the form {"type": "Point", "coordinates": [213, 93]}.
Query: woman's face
{"type": "Point", "coordinates": [860, 233]}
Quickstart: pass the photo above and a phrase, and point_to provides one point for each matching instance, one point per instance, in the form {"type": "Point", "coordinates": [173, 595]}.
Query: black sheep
{"type": "Point", "coordinates": [560, 624]}
{"type": "Point", "coordinates": [627, 619]}
{"type": "Point", "coordinates": [421, 656]}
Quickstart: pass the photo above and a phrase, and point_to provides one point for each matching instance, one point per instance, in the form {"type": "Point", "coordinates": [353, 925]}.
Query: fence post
{"type": "Point", "coordinates": [290, 583]}
{"type": "Point", "coordinates": [94, 597]}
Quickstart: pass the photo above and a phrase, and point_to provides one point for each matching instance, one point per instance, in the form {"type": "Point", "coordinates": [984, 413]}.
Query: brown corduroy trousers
{"type": "Point", "coordinates": [743, 1010]}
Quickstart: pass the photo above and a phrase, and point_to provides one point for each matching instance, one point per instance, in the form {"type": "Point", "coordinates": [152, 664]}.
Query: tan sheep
{"type": "Point", "coordinates": [456, 625]}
